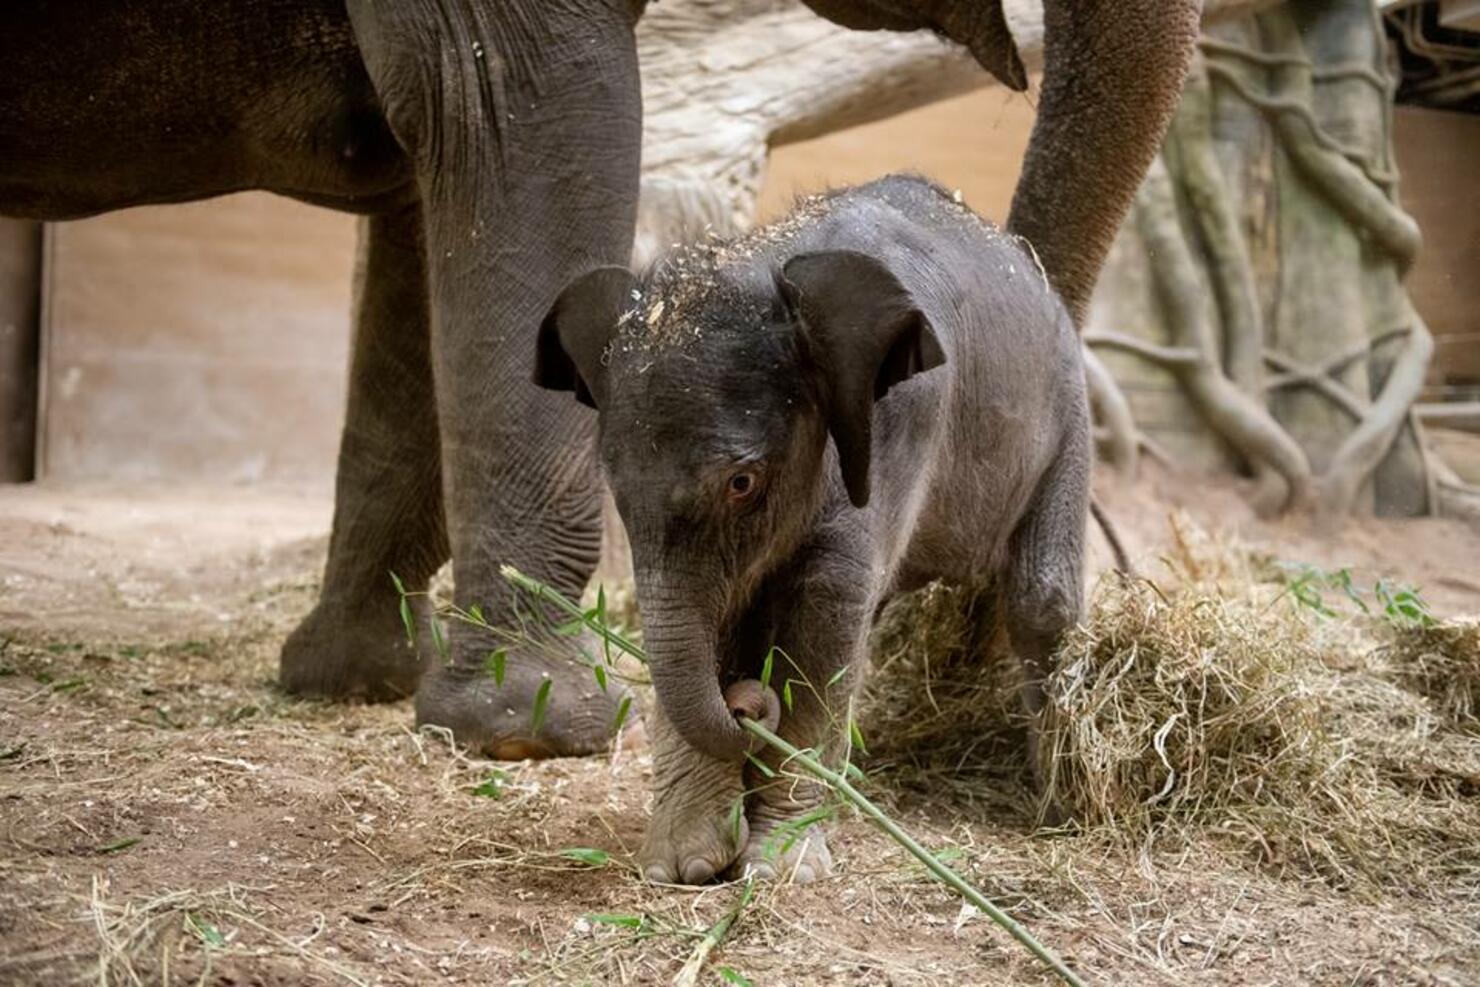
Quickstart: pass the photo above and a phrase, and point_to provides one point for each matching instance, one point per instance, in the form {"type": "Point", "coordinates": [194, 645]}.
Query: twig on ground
{"type": "Point", "coordinates": [689, 975]}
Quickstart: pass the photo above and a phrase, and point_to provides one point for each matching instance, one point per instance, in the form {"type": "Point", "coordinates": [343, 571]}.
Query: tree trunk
{"type": "Point", "coordinates": [1279, 192]}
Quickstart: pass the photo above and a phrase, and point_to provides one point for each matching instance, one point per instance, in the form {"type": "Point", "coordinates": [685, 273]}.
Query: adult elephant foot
{"type": "Point", "coordinates": [506, 718]}
{"type": "Point", "coordinates": [338, 654]}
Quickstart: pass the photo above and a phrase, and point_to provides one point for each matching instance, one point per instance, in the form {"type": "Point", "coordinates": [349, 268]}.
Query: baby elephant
{"type": "Point", "coordinates": [878, 391]}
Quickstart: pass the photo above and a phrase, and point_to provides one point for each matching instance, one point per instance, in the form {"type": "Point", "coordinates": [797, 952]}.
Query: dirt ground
{"type": "Point", "coordinates": [166, 815]}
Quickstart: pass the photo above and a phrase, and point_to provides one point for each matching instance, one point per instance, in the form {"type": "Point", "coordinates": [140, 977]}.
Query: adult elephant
{"type": "Point", "coordinates": [492, 146]}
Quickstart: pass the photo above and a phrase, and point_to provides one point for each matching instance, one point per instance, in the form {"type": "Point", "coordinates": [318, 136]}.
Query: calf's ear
{"type": "Point", "coordinates": [862, 333]}
{"type": "Point", "coordinates": [576, 331]}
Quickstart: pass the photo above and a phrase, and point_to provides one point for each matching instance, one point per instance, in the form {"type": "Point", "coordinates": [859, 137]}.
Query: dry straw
{"type": "Point", "coordinates": [1442, 663]}
{"type": "Point", "coordinates": [1209, 702]}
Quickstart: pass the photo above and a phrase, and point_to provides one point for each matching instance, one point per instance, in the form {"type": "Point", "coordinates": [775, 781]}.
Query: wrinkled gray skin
{"type": "Point", "coordinates": [879, 391]}
{"type": "Point", "coordinates": [493, 149]}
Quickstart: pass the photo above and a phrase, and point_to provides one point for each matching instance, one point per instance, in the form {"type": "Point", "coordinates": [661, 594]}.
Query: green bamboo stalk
{"type": "Point", "coordinates": [689, 975]}
{"type": "Point", "coordinates": [833, 780]}
{"type": "Point", "coordinates": [840, 784]}
{"type": "Point", "coordinates": [540, 591]}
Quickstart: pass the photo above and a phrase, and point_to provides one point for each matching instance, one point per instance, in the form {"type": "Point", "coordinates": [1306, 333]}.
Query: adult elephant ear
{"type": "Point", "coordinates": [861, 333]}
{"type": "Point", "coordinates": [984, 32]}
{"type": "Point", "coordinates": [981, 26]}
{"type": "Point", "coordinates": [575, 333]}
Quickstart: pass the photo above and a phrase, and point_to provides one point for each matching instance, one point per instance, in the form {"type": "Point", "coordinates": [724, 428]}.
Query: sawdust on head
{"type": "Point", "coordinates": [667, 309]}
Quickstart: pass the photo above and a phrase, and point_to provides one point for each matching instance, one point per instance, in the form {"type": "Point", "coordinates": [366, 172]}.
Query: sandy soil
{"type": "Point", "coordinates": [167, 815]}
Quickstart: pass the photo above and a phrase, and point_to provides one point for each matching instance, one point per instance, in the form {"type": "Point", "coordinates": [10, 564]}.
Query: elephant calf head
{"type": "Point", "coordinates": [718, 379]}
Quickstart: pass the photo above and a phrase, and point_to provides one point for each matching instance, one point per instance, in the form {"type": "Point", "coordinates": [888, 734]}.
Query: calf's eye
{"type": "Point", "coordinates": [743, 484]}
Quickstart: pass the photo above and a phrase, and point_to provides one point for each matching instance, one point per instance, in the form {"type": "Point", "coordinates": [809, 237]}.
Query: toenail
{"type": "Point", "coordinates": [697, 872]}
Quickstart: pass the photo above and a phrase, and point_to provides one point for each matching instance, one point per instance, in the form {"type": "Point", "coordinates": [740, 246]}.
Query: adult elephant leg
{"type": "Point", "coordinates": [1112, 73]}
{"type": "Point", "coordinates": [388, 492]}
{"type": "Point", "coordinates": [523, 122]}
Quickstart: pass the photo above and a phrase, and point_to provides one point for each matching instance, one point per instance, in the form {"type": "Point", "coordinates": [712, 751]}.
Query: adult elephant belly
{"type": "Point", "coordinates": [106, 104]}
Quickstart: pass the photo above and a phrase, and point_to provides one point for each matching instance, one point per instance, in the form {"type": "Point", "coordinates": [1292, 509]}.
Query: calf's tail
{"type": "Point", "coordinates": [1122, 562]}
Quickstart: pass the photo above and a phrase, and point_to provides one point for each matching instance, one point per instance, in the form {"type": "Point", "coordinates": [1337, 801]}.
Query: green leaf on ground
{"type": "Point", "coordinates": [491, 787]}
{"type": "Point", "coordinates": [205, 931]}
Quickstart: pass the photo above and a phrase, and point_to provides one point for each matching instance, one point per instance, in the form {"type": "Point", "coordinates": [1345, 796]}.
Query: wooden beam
{"type": "Point", "coordinates": [20, 298]}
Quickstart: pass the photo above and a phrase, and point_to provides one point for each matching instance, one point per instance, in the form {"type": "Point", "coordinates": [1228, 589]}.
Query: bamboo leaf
{"type": "Point", "coordinates": [491, 787]}
{"type": "Point", "coordinates": [205, 931]}
{"type": "Point", "coordinates": [541, 703]}
{"type": "Point", "coordinates": [623, 708]}
{"type": "Point", "coordinates": [760, 765]}
{"type": "Point", "coordinates": [606, 644]}
{"type": "Point", "coordinates": [494, 665]}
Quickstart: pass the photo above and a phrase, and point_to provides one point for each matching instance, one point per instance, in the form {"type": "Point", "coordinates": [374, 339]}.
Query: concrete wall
{"type": "Point", "coordinates": [205, 341]}
{"type": "Point", "coordinates": [973, 143]}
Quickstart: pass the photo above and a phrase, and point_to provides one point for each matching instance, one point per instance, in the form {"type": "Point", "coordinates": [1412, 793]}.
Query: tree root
{"type": "Point", "coordinates": [1368, 443]}
{"type": "Point", "coordinates": [1238, 417]}
{"type": "Point", "coordinates": [1195, 167]}
{"type": "Point", "coordinates": [1121, 437]}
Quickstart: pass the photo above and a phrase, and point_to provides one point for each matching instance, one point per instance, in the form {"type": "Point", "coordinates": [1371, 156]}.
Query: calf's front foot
{"type": "Point", "coordinates": [786, 840]}
{"type": "Point", "coordinates": [780, 850]}
{"type": "Point", "coordinates": [698, 827]}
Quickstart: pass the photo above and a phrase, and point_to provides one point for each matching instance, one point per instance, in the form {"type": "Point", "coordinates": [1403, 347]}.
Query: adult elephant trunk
{"type": "Point", "coordinates": [1112, 74]}
{"type": "Point", "coordinates": [680, 639]}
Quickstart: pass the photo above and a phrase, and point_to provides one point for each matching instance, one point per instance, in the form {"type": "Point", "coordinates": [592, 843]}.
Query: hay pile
{"type": "Point", "coordinates": [1442, 663]}
{"type": "Point", "coordinates": [1208, 704]}
{"type": "Point", "coordinates": [940, 720]}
